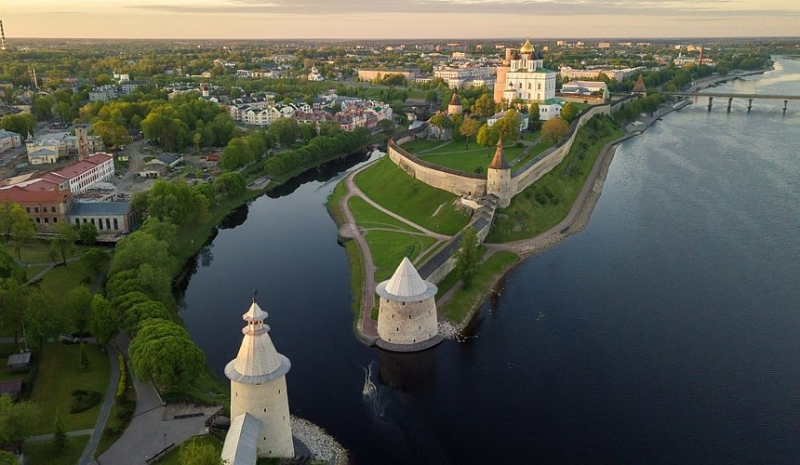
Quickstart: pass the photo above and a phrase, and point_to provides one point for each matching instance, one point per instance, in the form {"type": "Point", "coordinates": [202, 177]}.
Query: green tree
{"type": "Point", "coordinates": [105, 320]}
{"type": "Point", "coordinates": [13, 302]}
{"type": "Point", "coordinates": [534, 124]}
{"type": "Point", "coordinates": [87, 233]}
{"type": "Point", "coordinates": [141, 312]}
{"type": "Point", "coordinates": [59, 431]}
{"type": "Point", "coordinates": [171, 201]}
{"type": "Point", "coordinates": [508, 126]}
{"type": "Point", "coordinates": [555, 129]}
{"type": "Point", "coordinates": [285, 130]}
{"type": "Point", "coordinates": [441, 122]}
{"type": "Point", "coordinates": [487, 136]}
{"type": "Point", "coordinates": [16, 419]}
{"type": "Point", "coordinates": [23, 230]}
{"type": "Point", "coordinates": [468, 257]}
{"type": "Point", "coordinates": [22, 123]}
{"type": "Point", "coordinates": [469, 127]}
{"type": "Point", "coordinates": [112, 133]}
{"type": "Point", "coordinates": [194, 453]}
{"type": "Point", "coordinates": [329, 128]}
{"type": "Point", "coordinates": [569, 112]}
{"type": "Point", "coordinates": [231, 184]}
{"type": "Point", "coordinates": [197, 139]}
{"type": "Point", "coordinates": [65, 111]}
{"type": "Point", "coordinates": [42, 108]}
{"type": "Point", "coordinates": [94, 260]}
{"type": "Point", "coordinates": [164, 352]}
{"type": "Point", "coordinates": [10, 269]}
{"type": "Point", "coordinates": [43, 320]}
{"type": "Point", "coordinates": [7, 458]}
{"type": "Point", "coordinates": [385, 125]}
{"type": "Point", "coordinates": [63, 240]}
{"type": "Point", "coordinates": [484, 106]}
{"type": "Point", "coordinates": [77, 307]}
{"type": "Point", "coordinates": [139, 248]}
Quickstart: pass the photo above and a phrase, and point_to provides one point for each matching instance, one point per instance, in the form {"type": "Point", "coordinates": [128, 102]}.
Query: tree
{"type": "Point", "coordinates": [78, 308]}
{"type": "Point", "coordinates": [42, 108]}
{"type": "Point", "coordinates": [468, 257]}
{"type": "Point", "coordinates": [171, 201]}
{"type": "Point", "coordinates": [197, 139]}
{"type": "Point", "coordinates": [7, 458]}
{"type": "Point", "coordinates": [13, 302]}
{"type": "Point", "coordinates": [508, 126]}
{"type": "Point", "coordinates": [64, 239]}
{"type": "Point", "coordinates": [484, 106]}
{"type": "Point", "coordinates": [569, 112]}
{"type": "Point", "coordinates": [94, 259]}
{"type": "Point", "coordinates": [469, 127]}
{"type": "Point", "coordinates": [487, 136]}
{"type": "Point", "coordinates": [10, 269]}
{"type": "Point", "coordinates": [163, 351]}
{"type": "Point", "coordinates": [144, 311]}
{"type": "Point", "coordinates": [385, 125]}
{"type": "Point", "coordinates": [329, 128]}
{"type": "Point", "coordinates": [22, 123]}
{"type": "Point", "coordinates": [534, 124]}
{"type": "Point", "coordinates": [285, 130]}
{"type": "Point", "coordinates": [195, 453]}
{"type": "Point", "coordinates": [555, 129]}
{"type": "Point", "coordinates": [43, 320]}
{"type": "Point", "coordinates": [65, 111]}
{"type": "Point", "coordinates": [59, 431]}
{"type": "Point", "coordinates": [105, 320]}
{"type": "Point", "coordinates": [112, 133]}
{"type": "Point", "coordinates": [87, 232]}
{"type": "Point", "coordinates": [231, 184]}
{"type": "Point", "coordinates": [441, 122]}
{"type": "Point", "coordinates": [16, 419]}
{"type": "Point", "coordinates": [140, 248]}
{"type": "Point", "coordinates": [22, 229]}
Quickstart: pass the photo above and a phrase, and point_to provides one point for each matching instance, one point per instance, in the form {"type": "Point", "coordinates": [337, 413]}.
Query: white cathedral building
{"type": "Point", "coordinates": [526, 78]}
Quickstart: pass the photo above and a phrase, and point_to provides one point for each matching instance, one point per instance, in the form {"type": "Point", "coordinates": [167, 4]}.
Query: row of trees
{"type": "Point", "coordinates": [320, 147]}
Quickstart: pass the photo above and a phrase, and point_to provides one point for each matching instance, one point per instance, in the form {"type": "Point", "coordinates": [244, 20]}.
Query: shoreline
{"type": "Point", "coordinates": [580, 214]}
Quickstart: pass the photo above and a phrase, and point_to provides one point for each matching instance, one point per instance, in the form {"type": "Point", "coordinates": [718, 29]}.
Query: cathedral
{"type": "Point", "coordinates": [524, 76]}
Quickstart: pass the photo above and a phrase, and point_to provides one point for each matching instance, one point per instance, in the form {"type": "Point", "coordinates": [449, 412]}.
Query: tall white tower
{"type": "Point", "coordinates": [258, 393]}
{"type": "Point", "coordinates": [407, 320]}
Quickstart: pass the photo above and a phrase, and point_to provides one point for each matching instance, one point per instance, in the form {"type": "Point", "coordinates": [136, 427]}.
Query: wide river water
{"type": "Point", "coordinates": [668, 331]}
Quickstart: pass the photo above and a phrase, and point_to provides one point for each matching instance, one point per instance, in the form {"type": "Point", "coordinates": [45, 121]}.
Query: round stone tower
{"type": "Point", "coordinates": [258, 386]}
{"type": "Point", "coordinates": [498, 177]}
{"type": "Point", "coordinates": [407, 315]}
{"type": "Point", "coordinates": [455, 107]}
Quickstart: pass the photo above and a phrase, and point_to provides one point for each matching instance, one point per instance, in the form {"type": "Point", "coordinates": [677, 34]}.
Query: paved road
{"type": "Point", "coordinates": [105, 411]}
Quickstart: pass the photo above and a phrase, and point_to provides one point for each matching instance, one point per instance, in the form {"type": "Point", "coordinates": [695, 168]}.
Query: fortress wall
{"type": "Point", "coordinates": [548, 160]}
{"type": "Point", "coordinates": [453, 181]}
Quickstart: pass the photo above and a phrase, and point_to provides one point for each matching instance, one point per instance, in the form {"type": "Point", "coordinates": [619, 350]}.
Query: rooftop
{"type": "Point", "coordinates": [100, 208]}
{"type": "Point", "coordinates": [406, 285]}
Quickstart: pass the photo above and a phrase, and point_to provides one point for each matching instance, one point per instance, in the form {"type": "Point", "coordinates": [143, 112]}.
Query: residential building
{"type": "Point", "coordinates": [103, 93]}
{"type": "Point", "coordinates": [47, 148]}
{"type": "Point", "coordinates": [129, 86]}
{"type": "Point", "coordinates": [583, 87]}
{"type": "Point", "coordinates": [618, 74]}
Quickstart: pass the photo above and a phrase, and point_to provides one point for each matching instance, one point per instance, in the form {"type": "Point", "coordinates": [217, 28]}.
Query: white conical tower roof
{"type": "Point", "coordinates": [406, 285]}
{"type": "Point", "coordinates": [258, 360]}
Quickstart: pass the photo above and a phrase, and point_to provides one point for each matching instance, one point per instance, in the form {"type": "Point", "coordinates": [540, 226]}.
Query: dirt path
{"type": "Point", "coordinates": [367, 327]}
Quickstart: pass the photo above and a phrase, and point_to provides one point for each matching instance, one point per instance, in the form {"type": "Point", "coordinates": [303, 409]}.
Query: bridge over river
{"type": "Point", "coordinates": [730, 96]}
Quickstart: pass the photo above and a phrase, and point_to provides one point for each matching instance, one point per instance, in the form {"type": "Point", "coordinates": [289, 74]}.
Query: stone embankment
{"type": "Point", "coordinates": [321, 444]}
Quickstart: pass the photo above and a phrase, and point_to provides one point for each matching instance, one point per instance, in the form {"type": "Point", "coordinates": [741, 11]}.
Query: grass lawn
{"type": "Point", "coordinates": [171, 458]}
{"type": "Point", "coordinates": [39, 252]}
{"type": "Point", "coordinates": [548, 201]}
{"type": "Point", "coordinates": [395, 190]}
{"type": "Point", "coordinates": [370, 217]}
{"type": "Point", "coordinates": [417, 146]}
{"type": "Point", "coordinates": [44, 452]}
{"type": "Point", "coordinates": [32, 271]}
{"type": "Point", "coordinates": [62, 279]}
{"type": "Point", "coordinates": [534, 152]}
{"type": "Point", "coordinates": [454, 155]}
{"type": "Point", "coordinates": [389, 248]}
{"type": "Point", "coordinates": [452, 278]}
{"type": "Point", "coordinates": [59, 374]}
{"type": "Point", "coordinates": [464, 301]}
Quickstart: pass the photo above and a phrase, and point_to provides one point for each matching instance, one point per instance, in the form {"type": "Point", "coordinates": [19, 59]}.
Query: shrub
{"type": "Point", "coordinates": [84, 400]}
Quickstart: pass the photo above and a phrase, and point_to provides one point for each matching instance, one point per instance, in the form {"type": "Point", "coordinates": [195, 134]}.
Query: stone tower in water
{"type": "Point", "coordinates": [407, 320]}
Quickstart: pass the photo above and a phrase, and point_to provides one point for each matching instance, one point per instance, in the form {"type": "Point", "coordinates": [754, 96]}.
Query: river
{"type": "Point", "coordinates": [668, 331]}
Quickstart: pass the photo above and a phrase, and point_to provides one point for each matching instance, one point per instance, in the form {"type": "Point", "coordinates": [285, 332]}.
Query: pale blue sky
{"type": "Point", "coordinates": [275, 19]}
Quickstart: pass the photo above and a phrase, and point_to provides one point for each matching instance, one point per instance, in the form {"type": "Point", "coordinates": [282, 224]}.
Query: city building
{"type": "Point", "coordinates": [110, 218]}
{"type": "Point", "coordinates": [103, 93]}
{"type": "Point", "coordinates": [407, 320]}
{"type": "Point", "coordinates": [260, 423]}
{"type": "Point", "coordinates": [593, 73]}
{"type": "Point", "coordinates": [455, 107]}
{"type": "Point", "coordinates": [9, 140]}
{"type": "Point", "coordinates": [523, 76]}
{"type": "Point", "coordinates": [45, 202]}
{"type": "Point", "coordinates": [583, 87]}
{"type": "Point", "coordinates": [378, 74]}
{"type": "Point", "coordinates": [85, 174]}
{"type": "Point", "coordinates": [48, 148]}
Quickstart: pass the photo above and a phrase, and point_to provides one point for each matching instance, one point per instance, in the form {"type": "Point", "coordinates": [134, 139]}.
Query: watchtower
{"type": "Point", "coordinates": [498, 177]}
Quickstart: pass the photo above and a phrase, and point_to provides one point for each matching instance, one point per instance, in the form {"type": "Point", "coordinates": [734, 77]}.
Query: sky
{"type": "Point", "coordinates": [379, 19]}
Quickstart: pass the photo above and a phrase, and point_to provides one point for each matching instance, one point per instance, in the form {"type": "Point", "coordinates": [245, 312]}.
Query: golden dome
{"type": "Point", "coordinates": [527, 48]}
